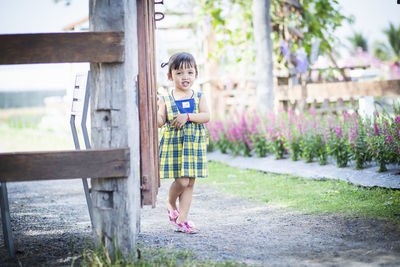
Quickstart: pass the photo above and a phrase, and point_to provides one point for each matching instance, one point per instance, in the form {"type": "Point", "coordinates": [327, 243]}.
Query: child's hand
{"type": "Point", "coordinates": [179, 121]}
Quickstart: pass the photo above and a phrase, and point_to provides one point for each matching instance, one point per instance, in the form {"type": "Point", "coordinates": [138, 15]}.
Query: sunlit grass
{"type": "Point", "coordinates": [15, 139]}
{"type": "Point", "coordinates": [24, 130]}
{"type": "Point", "coordinates": [145, 257]}
{"type": "Point", "coordinates": [305, 195]}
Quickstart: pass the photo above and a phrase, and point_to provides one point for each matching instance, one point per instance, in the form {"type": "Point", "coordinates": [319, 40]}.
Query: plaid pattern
{"type": "Point", "coordinates": [182, 151]}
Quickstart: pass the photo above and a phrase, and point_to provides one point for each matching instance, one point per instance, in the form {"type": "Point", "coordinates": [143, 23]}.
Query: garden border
{"type": "Point", "coordinates": [366, 177]}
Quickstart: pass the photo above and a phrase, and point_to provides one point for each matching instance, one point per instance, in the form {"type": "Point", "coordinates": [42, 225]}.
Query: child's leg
{"type": "Point", "coordinates": [185, 199]}
{"type": "Point", "coordinates": [176, 189]}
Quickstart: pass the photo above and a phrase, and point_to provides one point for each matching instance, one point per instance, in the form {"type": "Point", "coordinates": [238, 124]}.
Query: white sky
{"type": "Point", "coordinates": [371, 18]}
{"type": "Point", "coordinates": [34, 16]}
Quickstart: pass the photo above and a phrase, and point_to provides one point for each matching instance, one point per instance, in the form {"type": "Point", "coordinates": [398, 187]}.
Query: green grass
{"type": "Point", "coordinates": [30, 139]}
{"type": "Point", "coordinates": [305, 195]}
{"type": "Point", "coordinates": [21, 130]}
{"type": "Point", "coordinates": [146, 257]}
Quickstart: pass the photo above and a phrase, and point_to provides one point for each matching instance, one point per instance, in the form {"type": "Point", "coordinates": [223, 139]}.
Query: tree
{"type": "Point", "coordinates": [381, 51]}
{"type": "Point", "coordinates": [391, 52]}
{"type": "Point", "coordinates": [358, 40]}
{"type": "Point", "coordinates": [393, 35]}
{"type": "Point", "coordinates": [300, 22]}
{"type": "Point", "coordinates": [264, 62]}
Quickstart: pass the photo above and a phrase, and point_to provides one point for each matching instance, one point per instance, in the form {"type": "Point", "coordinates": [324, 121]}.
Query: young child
{"type": "Point", "coordinates": [183, 113]}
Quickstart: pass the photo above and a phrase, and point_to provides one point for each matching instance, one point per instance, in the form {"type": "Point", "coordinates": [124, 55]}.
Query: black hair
{"type": "Point", "coordinates": [179, 60]}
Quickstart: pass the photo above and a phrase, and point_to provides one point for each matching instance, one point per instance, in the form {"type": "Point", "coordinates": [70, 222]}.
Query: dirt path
{"type": "Point", "coordinates": [256, 234]}
{"type": "Point", "coordinates": [50, 223]}
{"type": "Point", "coordinates": [48, 217]}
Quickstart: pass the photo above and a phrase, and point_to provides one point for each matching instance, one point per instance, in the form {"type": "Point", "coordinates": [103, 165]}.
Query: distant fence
{"type": "Point", "coordinates": [27, 98]}
{"type": "Point", "coordinates": [242, 94]}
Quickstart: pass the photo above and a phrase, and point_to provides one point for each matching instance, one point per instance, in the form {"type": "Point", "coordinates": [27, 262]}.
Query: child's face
{"type": "Point", "coordinates": [183, 78]}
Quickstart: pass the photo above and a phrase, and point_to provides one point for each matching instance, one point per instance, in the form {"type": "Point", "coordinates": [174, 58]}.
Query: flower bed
{"type": "Point", "coordinates": [310, 136]}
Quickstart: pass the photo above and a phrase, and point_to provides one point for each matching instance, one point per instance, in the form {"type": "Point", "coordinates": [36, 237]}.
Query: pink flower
{"type": "Point", "coordinates": [376, 129]}
{"type": "Point", "coordinates": [346, 116]}
{"type": "Point", "coordinates": [389, 137]}
{"type": "Point", "coordinates": [339, 132]}
{"type": "Point", "coordinates": [353, 135]}
{"type": "Point", "coordinates": [312, 112]}
{"type": "Point", "coordinates": [219, 125]}
{"type": "Point", "coordinates": [248, 142]}
{"type": "Point", "coordinates": [397, 120]}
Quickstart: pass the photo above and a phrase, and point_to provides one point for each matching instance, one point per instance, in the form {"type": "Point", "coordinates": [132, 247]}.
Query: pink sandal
{"type": "Point", "coordinates": [186, 227]}
{"type": "Point", "coordinates": [173, 215]}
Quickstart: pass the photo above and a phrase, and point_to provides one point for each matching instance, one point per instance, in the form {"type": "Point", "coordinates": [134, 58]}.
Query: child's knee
{"type": "Point", "coordinates": [184, 181]}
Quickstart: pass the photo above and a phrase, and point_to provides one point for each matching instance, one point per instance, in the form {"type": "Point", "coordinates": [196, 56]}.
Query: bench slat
{"type": "Point", "coordinates": [62, 47]}
{"type": "Point", "coordinates": [28, 166]}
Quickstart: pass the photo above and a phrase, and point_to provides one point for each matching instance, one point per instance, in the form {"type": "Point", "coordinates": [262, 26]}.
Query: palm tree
{"type": "Point", "coordinates": [358, 40]}
{"type": "Point", "coordinates": [381, 51]}
{"type": "Point", "coordinates": [393, 35]}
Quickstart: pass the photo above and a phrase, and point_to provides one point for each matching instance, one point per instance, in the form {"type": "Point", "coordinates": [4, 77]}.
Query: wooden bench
{"type": "Point", "coordinates": [51, 165]}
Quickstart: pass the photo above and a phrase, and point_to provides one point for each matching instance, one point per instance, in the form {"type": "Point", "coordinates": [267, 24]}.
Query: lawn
{"type": "Point", "coordinates": [31, 130]}
{"type": "Point", "coordinates": [305, 195]}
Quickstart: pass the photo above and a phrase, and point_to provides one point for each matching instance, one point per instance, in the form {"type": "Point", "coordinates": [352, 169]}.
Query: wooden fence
{"type": "Point", "coordinates": [120, 48]}
{"type": "Point", "coordinates": [237, 95]}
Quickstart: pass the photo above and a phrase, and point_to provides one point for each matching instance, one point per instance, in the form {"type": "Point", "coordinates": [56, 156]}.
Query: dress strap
{"type": "Point", "coordinates": [197, 96]}
{"type": "Point", "coordinates": [172, 109]}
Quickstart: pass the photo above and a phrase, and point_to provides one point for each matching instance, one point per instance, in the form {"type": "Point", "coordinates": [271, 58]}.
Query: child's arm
{"type": "Point", "coordinates": [202, 117]}
{"type": "Point", "coordinates": [161, 113]}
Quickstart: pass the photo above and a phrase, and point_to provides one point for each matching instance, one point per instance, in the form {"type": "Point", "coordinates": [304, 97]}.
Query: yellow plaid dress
{"type": "Point", "coordinates": [182, 151]}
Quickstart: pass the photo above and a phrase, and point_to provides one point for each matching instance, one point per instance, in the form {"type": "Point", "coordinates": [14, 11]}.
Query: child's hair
{"type": "Point", "coordinates": [180, 60]}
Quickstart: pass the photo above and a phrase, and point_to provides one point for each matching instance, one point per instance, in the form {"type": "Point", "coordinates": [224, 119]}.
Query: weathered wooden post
{"type": "Point", "coordinates": [115, 124]}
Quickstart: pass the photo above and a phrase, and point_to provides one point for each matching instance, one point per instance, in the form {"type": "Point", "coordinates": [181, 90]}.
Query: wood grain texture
{"type": "Point", "coordinates": [114, 124]}
{"type": "Point", "coordinates": [107, 46]}
{"type": "Point", "coordinates": [147, 103]}
{"type": "Point", "coordinates": [27, 166]}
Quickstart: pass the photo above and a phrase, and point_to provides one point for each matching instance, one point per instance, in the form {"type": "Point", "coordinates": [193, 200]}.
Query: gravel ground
{"type": "Point", "coordinates": [50, 223]}
{"type": "Point", "coordinates": [256, 234]}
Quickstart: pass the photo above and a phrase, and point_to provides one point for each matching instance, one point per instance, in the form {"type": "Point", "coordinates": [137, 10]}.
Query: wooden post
{"type": "Point", "coordinates": [115, 124]}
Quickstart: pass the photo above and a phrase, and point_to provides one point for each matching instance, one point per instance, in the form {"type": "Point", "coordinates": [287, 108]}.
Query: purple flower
{"type": "Point", "coordinates": [389, 137]}
{"type": "Point", "coordinates": [284, 48]}
{"type": "Point", "coordinates": [248, 142]}
{"type": "Point", "coordinates": [339, 132]}
{"type": "Point", "coordinates": [219, 125]}
{"type": "Point", "coordinates": [353, 135]}
{"type": "Point", "coordinates": [376, 129]}
{"type": "Point", "coordinates": [301, 60]}
{"type": "Point", "coordinates": [346, 116]}
{"type": "Point", "coordinates": [397, 119]}
{"type": "Point", "coordinates": [312, 112]}
{"type": "Point", "coordinates": [385, 127]}
{"type": "Point", "coordinates": [314, 50]}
